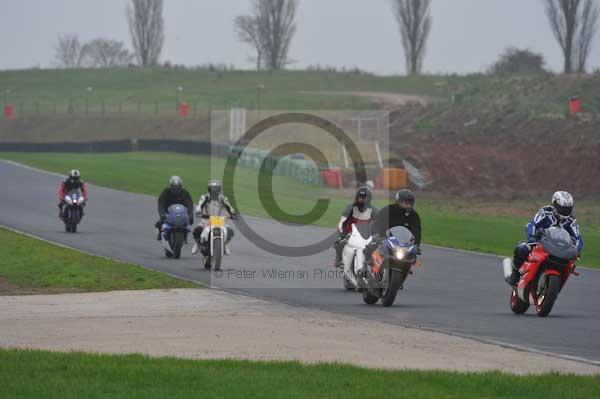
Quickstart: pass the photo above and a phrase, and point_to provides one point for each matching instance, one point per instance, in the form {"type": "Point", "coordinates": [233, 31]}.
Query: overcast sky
{"type": "Point", "coordinates": [467, 35]}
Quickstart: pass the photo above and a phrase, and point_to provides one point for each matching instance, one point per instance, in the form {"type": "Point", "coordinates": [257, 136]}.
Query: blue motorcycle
{"type": "Point", "coordinates": [175, 230]}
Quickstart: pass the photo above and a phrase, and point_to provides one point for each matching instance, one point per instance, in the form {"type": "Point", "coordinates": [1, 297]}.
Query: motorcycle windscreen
{"type": "Point", "coordinates": [177, 215]}
{"type": "Point", "coordinates": [75, 194]}
{"type": "Point", "coordinates": [401, 235]}
{"type": "Point", "coordinates": [558, 242]}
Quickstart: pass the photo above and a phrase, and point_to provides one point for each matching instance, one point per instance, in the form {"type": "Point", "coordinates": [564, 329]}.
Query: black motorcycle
{"type": "Point", "coordinates": [72, 211]}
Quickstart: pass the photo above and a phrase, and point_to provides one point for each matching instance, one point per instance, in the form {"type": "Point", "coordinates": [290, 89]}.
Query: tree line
{"type": "Point", "coordinates": [146, 28]}
{"type": "Point", "coordinates": [269, 27]}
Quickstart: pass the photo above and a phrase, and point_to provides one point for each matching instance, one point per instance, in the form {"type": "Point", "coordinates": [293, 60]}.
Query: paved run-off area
{"type": "Point", "coordinates": [195, 323]}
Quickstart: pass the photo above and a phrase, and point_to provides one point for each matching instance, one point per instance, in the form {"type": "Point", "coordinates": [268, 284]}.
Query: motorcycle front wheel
{"type": "Point", "coordinates": [369, 298]}
{"type": "Point", "coordinates": [348, 284]}
{"type": "Point", "coordinates": [547, 294]}
{"type": "Point", "coordinates": [217, 256]}
{"type": "Point", "coordinates": [176, 239]}
{"type": "Point", "coordinates": [396, 280]}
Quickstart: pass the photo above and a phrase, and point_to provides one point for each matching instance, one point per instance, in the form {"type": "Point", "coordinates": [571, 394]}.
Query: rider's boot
{"type": "Point", "coordinates": [158, 234]}
{"type": "Point", "coordinates": [514, 278]}
{"type": "Point", "coordinates": [226, 250]}
{"type": "Point", "coordinates": [195, 248]}
{"type": "Point", "coordinates": [339, 248]}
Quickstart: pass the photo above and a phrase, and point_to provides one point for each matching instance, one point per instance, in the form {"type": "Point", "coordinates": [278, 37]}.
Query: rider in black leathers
{"type": "Point", "coordinates": [174, 194]}
{"type": "Point", "coordinates": [401, 213]}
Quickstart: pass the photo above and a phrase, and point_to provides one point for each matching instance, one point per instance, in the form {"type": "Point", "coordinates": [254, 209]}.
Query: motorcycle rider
{"type": "Point", "coordinates": [72, 182]}
{"type": "Point", "coordinates": [559, 214]}
{"type": "Point", "coordinates": [213, 203]}
{"type": "Point", "coordinates": [400, 213]}
{"type": "Point", "coordinates": [359, 211]}
{"type": "Point", "coordinates": [174, 194]}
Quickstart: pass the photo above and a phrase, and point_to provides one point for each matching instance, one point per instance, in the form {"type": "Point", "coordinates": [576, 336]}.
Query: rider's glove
{"type": "Point", "coordinates": [418, 250]}
{"type": "Point", "coordinates": [163, 217]}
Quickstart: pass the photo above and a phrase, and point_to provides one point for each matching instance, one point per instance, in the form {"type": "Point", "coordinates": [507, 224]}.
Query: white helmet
{"type": "Point", "coordinates": [175, 184]}
{"type": "Point", "coordinates": [563, 204]}
{"type": "Point", "coordinates": [75, 174]}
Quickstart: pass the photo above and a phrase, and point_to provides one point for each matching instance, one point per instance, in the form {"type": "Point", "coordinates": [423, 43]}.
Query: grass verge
{"type": "Point", "coordinates": [477, 228]}
{"type": "Point", "coordinates": [30, 266]}
{"type": "Point", "coordinates": [37, 374]}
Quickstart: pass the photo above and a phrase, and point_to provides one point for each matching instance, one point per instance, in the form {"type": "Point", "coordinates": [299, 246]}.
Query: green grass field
{"type": "Point", "coordinates": [145, 90]}
{"type": "Point", "coordinates": [39, 374]}
{"type": "Point", "coordinates": [30, 266]}
{"type": "Point", "coordinates": [200, 88]}
{"type": "Point", "coordinates": [443, 224]}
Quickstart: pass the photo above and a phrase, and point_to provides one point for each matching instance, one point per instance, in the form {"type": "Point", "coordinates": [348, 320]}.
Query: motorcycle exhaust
{"type": "Point", "coordinates": [507, 266]}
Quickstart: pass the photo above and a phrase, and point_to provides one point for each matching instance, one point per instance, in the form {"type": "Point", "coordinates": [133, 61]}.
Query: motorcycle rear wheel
{"type": "Point", "coordinates": [516, 304]}
{"type": "Point", "coordinates": [547, 297]}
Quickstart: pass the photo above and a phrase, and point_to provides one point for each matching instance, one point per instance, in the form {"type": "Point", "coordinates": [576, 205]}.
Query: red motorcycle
{"type": "Point", "coordinates": [545, 272]}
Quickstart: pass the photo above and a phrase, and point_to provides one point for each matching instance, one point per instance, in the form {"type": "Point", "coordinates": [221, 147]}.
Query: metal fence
{"type": "Point", "coordinates": [199, 104]}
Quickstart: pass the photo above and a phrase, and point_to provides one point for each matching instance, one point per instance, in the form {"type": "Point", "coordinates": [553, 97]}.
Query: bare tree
{"type": "Point", "coordinates": [414, 20]}
{"type": "Point", "coordinates": [247, 31]}
{"type": "Point", "coordinates": [573, 23]}
{"type": "Point", "coordinates": [146, 26]}
{"type": "Point", "coordinates": [589, 26]}
{"type": "Point", "coordinates": [69, 52]}
{"type": "Point", "coordinates": [107, 53]}
{"type": "Point", "coordinates": [272, 24]}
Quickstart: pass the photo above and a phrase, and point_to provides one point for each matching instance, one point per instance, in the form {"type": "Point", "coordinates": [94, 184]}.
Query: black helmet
{"type": "Point", "coordinates": [214, 189]}
{"type": "Point", "coordinates": [405, 195]}
{"type": "Point", "coordinates": [175, 184]}
{"type": "Point", "coordinates": [363, 197]}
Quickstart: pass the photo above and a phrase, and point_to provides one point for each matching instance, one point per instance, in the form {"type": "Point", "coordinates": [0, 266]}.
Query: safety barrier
{"type": "Point", "coordinates": [305, 171]}
{"type": "Point", "coordinates": [86, 147]}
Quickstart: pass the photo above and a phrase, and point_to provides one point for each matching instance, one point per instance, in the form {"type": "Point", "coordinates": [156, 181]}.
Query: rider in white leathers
{"type": "Point", "coordinates": [213, 203]}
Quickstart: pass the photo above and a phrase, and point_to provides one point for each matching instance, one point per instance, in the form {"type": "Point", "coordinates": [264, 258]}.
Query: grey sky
{"type": "Point", "coordinates": [467, 35]}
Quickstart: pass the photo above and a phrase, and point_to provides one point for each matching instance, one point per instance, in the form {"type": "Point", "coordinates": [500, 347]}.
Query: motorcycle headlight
{"type": "Point", "coordinates": [400, 253]}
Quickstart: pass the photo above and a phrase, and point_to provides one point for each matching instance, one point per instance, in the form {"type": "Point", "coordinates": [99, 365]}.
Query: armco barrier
{"type": "Point", "coordinates": [299, 169]}
{"type": "Point", "coordinates": [90, 146]}
{"type": "Point", "coordinates": [181, 146]}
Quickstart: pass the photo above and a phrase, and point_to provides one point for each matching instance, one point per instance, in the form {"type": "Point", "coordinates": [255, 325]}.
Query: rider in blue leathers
{"type": "Point", "coordinates": [560, 214]}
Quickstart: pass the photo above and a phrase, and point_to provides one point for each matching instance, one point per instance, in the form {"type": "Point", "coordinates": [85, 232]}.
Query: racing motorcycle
{"type": "Point", "coordinates": [72, 211]}
{"type": "Point", "coordinates": [387, 269]}
{"type": "Point", "coordinates": [544, 274]}
{"type": "Point", "coordinates": [175, 230]}
{"type": "Point", "coordinates": [214, 237]}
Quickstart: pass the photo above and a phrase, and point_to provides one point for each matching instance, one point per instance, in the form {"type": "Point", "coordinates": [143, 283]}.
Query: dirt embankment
{"type": "Point", "coordinates": [213, 324]}
{"type": "Point", "coordinates": [503, 159]}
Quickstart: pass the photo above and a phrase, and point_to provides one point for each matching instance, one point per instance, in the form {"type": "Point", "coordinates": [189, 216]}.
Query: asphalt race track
{"type": "Point", "coordinates": [455, 292]}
